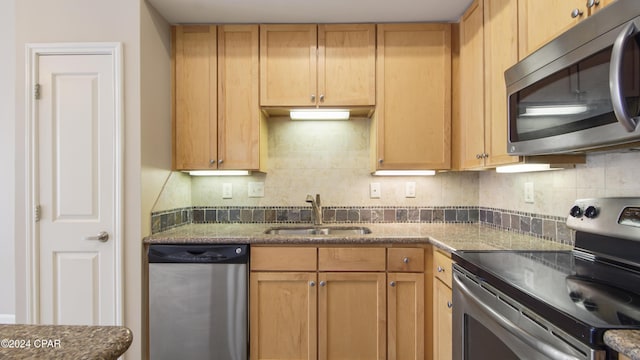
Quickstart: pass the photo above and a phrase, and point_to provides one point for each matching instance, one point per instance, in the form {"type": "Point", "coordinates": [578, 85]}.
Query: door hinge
{"type": "Point", "coordinates": [36, 91]}
{"type": "Point", "coordinates": [37, 213]}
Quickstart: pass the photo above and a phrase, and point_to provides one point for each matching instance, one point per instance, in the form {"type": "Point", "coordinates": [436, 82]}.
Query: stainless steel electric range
{"type": "Point", "coordinates": [552, 304]}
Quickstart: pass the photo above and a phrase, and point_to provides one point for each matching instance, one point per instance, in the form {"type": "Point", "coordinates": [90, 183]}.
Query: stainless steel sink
{"type": "Point", "coordinates": [319, 230]}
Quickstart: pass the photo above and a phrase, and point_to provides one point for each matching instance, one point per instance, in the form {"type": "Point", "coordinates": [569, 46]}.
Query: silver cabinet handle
{"type": "Point", "coordinates": [323, 283]}
{"type": "Point", "coordinates": [440, 269]}
{"type": "Point", "coordinates": [321, 97]}
{"type": "Point", "coordinates": [380, 161]}
{"type": "Point", "coordinates": [103, 236]}
{"type": "Point", "coordinates": [392, 284]}
{"type": "Point", "coordinates": [449, 304]}
{"type": "Point", "coordinates": [312, 283]}
{"type": "Point", "coordinates": [212, 162]}
{"type": "Point", "coordinates": [405, 260]}
{"type": "Point", "coordinates": [615, 78]}
{"type": "Point", "coordinates": [220, 161]}
{"type": "Point", "coordinates": [313, 98]}
{"type": "Point", "coordinates": [576, 13]}
{"type": "Point", "coordinates": [592, 3]}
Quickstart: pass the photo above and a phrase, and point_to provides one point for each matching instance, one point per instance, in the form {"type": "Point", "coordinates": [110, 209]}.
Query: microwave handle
{"type": "Point", "coordinates": [615, 78]}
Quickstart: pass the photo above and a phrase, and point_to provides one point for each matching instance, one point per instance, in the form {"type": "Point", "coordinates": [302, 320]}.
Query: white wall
{"type": "Point", "coordinates": [7, 154]}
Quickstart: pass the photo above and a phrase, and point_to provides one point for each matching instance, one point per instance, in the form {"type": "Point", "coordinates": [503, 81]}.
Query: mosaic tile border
{"type": "Point", "coordinates": [542, 226]}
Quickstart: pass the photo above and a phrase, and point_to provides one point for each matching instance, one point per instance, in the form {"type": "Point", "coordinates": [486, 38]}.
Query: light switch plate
{"type": "Point", "coordinates": [410, 189]}
{"type": "Point", "coordinates": [256, 189]}
{"type": "Point", "coordinates": [227, 190]}
{"type": "Point", "coordinates": [529, 196]}
{"type": "Point", "coordinates": [374, 190]}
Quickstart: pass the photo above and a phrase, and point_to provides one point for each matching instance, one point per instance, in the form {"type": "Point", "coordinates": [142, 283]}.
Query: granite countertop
{"type": "Point", "coordinates": [449, 237]}
{"type": "Point", "coordinates": [626, 342]}
{"type": "Point", "coordinates": [63, 342]}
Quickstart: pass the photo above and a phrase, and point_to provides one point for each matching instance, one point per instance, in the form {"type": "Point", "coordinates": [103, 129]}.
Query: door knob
{"type": "Point", "coordinates": [103, 236]}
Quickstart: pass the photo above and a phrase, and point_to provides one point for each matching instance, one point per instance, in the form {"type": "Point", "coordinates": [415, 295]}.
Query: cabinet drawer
{"type": "Point", "coordinates": [442, 267]}
{"type": "Point", "coordinates": [405, 259]}
{"type": "Point", "coordinates": [351, 259]}
{"type": "Point", "coordinates": [282, 258]}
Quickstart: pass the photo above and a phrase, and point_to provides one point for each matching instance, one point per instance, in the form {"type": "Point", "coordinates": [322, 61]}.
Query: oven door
{"type": "Point", "coordinates": [489, 325]}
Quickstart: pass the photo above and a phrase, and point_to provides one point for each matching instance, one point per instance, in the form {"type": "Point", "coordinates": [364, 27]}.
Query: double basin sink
{"type": "Point", "coordinates": [319, 230]}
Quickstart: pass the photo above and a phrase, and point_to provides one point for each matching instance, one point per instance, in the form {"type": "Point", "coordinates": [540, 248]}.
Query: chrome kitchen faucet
{"type": "Point", "coordinates": [317, 209]}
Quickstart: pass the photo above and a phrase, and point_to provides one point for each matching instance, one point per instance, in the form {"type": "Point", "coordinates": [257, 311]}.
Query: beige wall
{"type": "Point", "coordinates": [146, 40]}
{"type": "Point", "coordinates": [7, 154]}
{"type": "Point", "coordinates": [604, 174]}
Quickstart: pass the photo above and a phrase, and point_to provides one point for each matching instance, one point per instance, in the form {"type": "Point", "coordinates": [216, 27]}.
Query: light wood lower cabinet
{"type": "Point", "coordinates": [283, 315]}
{"type": "Point", "coordinates": [353, 309]}
{"type": "Point", "coordinates": [442, 295]}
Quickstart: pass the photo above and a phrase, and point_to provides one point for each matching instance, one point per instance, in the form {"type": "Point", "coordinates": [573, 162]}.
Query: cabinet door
{"type": "Point", "coordinates": [352, 316]}
{"type": "Point", "coordinates": [405, 328]}
{"type": "Point", "coordinates": [288, 65]}
{"type": "Point", "coordinates": [598, 5]}
{"type": "Point", "coordinates": [413, 114]}
{"type": "Point", "coordinates": [283, 316]}
{"type": "Point", "coordinates": [238, 106]}
{"type": "Point", "coordinates": [346, 65]}
{"type": "Point", "coordinates": [472, 87]}
{"type": "Point", "coordinates": [542, 20]}
{"type": "Point", "coordinates": [442, 329]}
{"type": "Point", "coordinates": [500, 53]}
{"type": "Point", "coordinates": [195, 97]}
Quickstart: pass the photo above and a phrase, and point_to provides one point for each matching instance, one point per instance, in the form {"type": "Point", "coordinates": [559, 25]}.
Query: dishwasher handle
{"type": "Point", "coordinates": [199, 254]}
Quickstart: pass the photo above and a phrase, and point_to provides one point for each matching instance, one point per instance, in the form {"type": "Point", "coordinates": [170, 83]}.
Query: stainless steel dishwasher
{"type": "Point", "coordinates": [198, 302]}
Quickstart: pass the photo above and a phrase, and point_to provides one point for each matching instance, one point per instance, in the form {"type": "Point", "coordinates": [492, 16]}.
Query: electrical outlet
{"type": "Point", "coordinates": [529, 196]}
{"type": "Point", "coordinates": [410, 189]}
{"type": "Point", "coordinates": [256, 189]}
{"type": "Point", "coordinates": [227, 191]}
{"type": "Point", "coordinates": [374, 190]}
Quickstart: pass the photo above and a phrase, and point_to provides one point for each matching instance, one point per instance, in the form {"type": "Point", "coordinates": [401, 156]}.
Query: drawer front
{"type": "Point", "coordinates": [442, 267]}
{"type": "Point", "coordinates": [351, 259]}
{"type": "Point", "coordinates": [405, 259]}
{"type": "Point", "coordinates": [282, 258]}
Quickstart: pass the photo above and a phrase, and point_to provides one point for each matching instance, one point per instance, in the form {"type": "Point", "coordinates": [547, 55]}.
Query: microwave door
{"type": "Point", "coordinates": [617, 75]}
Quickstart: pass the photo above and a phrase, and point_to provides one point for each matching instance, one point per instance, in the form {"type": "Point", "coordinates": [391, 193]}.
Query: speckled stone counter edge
{"type": "Point", "coordinates": [626, 342]}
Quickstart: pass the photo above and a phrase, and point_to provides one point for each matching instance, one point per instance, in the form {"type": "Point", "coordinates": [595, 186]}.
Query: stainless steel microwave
{"type": "Point", "coordinates": [581, 91]}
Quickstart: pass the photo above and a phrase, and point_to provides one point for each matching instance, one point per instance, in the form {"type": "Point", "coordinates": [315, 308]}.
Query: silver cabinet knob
{"type": "Point", "coordinates": [212, 162]}
{"type": "Point", "coordinates": [392, 284]}
{"type": "Point", "coordinates": [576, 13]}
{"type": "Point", "coordinates": [405, 260]}
{"type": "Point", "coordinates": [313, 98]}
{"type": "Point", "coordinates": [449, 304]}
{"type": "Point", "coordinates": [380, 161]}
{"type": "Point", "coordinates": [321, 97]}
{"type": "Point", "coordinates": [592, 3]}
{"type": "Point", "coordinates": [323, 283]}
{"type": "Point", "coordinates": [440, 269]}
{"type": "Point", "coordinates": [477, 156]}
{"type": "Point", "coordinates": [103, 236]}
{"type": "Point", "coordinates": [220, 161]}
{"type": "Point", "coordinates": [312, 283]}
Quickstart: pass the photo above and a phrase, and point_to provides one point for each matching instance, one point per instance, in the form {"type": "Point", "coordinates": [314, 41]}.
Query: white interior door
{"type": "Point", "coordinates": [76, 174]}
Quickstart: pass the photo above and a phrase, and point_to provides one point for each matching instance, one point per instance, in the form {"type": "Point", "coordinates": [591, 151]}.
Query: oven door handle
{"type": "Point", "coordinates": [615, 78]}
{"type": "Point", "coordinates": [510, 327]}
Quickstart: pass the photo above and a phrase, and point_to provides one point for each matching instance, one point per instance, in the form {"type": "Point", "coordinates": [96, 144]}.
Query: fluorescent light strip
{"type": "Point", "coordinates": [555, 110]}
{"type": "Point", "coordinates": [404, 173]}
{"type": "Point", "coordinates": [319, 114]}
{"type": "Point", "coordinates": [219, 172]}
{"type": "Point", "coordinates": [520, 168]}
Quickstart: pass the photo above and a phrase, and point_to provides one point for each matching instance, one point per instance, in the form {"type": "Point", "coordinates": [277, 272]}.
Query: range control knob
{"type": "Point", "coordinates": [575, 211]}
{"type": "Point", "coordinates": [591, 212]}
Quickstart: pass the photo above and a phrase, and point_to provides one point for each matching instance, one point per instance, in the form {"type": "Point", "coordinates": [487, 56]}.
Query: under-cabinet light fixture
{"type": "Point", "coordinates": [520, 168]}
{"type": "Point", "coordinates": [219, 173]}
{"type": "Point", "coordinates": [555, 110]}
{"type": "Point", "coordinates": [404, 173]}
{"type": "Point", "coordinates": [324, 114]}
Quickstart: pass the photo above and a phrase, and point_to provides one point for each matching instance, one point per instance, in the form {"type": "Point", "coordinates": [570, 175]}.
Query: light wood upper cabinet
{"type": "Point", "coordinates": [412, 123]}
{"type": "Point", "coordinates": [217, 120]}
{"type": "Point", "coordinates": [352, 316]}
{"type": "Point", "coordinates": [283, 311]}
{"type": "Point", "coordinates": [471, 101]}
{"type": "Point", "coordinates": [317, 65]}
{"type": "Point", "coordinates": [195, 97]}
{"type": "Point", "coordinates": [542, 20]}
